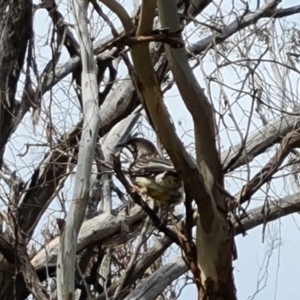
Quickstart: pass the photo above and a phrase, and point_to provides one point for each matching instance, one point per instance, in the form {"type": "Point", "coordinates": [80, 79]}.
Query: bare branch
{"type": "Point", "coordinates": [62, 158]}
{"type": "Point", "coordinates": [16, 22]}
{"type": "Point", "coordinates": [266, 11]}
{"type": "Point", "coordinates": [104, 226]}
{"type": "Point", "coordinates": [238, 47]}
{"type": "Point", "coordinates": [164, 276]}
{"type": "Point", "coordinates": [158, 281]}
{"type": "Point", "coordinates": [67, 252]}
{"type": "Point", "coordinates": [212, 234]}
{"type": "Point", "coordinates": [260, 215]}
{"type": "Point", "coordinates": [29, 274]}
{"type": "Point", "coordinates": [120, 11]}
{"type": "Point", "coordinates": [261, 140]}
{"type": "Point", "coordinates": [98, 229]}
{"type": "Point", "coordinates": [291, 141]}
{"type": "Point", "coordinates": [138, 200]}
{"type": "Point", "coordinates": [45, 180]}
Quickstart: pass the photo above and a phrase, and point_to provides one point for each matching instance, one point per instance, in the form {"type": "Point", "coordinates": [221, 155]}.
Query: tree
{"type": "Point", "coordinates": [234, 67]}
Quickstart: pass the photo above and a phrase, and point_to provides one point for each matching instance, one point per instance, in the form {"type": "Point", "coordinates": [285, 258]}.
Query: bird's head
{"type": "Point", "coordinates": [140, 147]}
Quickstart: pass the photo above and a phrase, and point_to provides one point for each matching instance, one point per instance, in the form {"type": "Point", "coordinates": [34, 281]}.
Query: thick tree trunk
{"type": "Point", "coordinates": [15, 23]}
{"type": "Point", "coordinates": [11, 288]}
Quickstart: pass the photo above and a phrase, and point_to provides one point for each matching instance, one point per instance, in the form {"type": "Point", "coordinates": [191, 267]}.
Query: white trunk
{"type": "Point", "coordinates": [67, 251]}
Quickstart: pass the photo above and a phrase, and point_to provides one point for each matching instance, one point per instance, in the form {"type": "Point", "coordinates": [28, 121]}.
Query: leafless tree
{"type": "Point", "coordinates": [72, 90]}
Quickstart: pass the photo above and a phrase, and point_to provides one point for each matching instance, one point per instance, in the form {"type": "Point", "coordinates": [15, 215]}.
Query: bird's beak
{"type": "Point", "coordinates": [121, 145]}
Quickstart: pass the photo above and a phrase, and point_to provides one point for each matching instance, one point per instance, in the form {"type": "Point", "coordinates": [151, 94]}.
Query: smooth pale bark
{"type": "Point", "coordinates": [98, 229]}
{"type": "Point", "coordinates": [288, 143]}
{"type": "Point", "coordinates": [199, 186]}
{"type": "Point", "coordinates": [149, 92]}
{"type": "Point", "coordinates": [119, 133]}
{"type": "Point", "coordinates": [214, 240]}
{"type": "Point", "coordinates": [67, 251]}
{"type": "Point", "coordinates": [259, 141]}
{"type": "Point", "coordinates": [37, 195]}
{"type": "Point", "coordinates": [159, 280]}
{"type": "Point", "coordinates": [101, 228]}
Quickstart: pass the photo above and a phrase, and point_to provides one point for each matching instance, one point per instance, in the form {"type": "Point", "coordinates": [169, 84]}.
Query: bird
{"type": "Point", "coordinates": [153, 175]}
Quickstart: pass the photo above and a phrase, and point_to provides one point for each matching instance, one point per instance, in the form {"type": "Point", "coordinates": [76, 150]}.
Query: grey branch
{"type": "Point", "coordinates": [261, 140]}
{"type": "Point", "coordinates": [164, 276]}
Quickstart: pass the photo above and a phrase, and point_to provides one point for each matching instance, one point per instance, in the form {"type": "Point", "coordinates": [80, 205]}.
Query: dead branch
{"type": "Point", "coordinates": [138, 200]}
{"type": "Point", "coordinates": [289, 142]}
{"type": "Point", "coordinates": [128, 40]}
{"type": "Point", "coordinates": [261, 140]}
{"type": "Point", "coordinates": [179, 236]}
{"type": "Point", "coordinates": [15, 22]}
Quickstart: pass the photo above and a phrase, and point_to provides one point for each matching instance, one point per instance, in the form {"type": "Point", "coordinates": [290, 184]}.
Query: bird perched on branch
{"type": "Point", "coordinates": [153, 175]}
